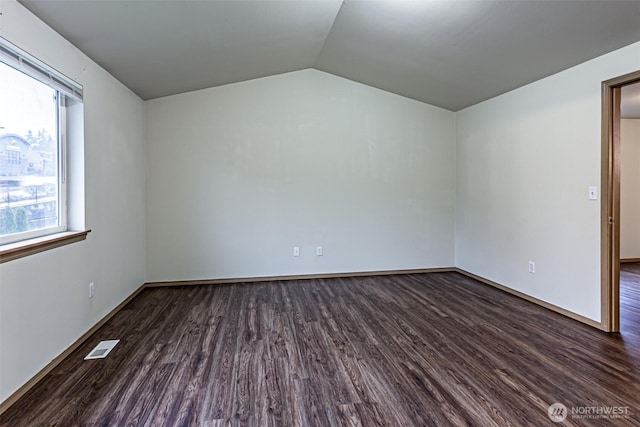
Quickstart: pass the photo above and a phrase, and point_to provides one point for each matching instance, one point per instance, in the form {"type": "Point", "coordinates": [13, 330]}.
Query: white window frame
{"type": "Point", "coordinates": [66, 88]}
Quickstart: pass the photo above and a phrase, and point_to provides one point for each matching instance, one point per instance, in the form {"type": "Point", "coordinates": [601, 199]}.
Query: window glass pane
{"type": "Point", "coordinates": [29, 184]}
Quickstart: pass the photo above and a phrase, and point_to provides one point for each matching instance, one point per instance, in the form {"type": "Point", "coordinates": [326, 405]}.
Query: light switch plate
{"type": "Point", "coordinates": [593, 193]}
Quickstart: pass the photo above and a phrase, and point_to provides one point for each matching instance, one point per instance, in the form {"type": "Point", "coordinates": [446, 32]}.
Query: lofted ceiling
{"type": "Point", "coordinates": [448, 53]}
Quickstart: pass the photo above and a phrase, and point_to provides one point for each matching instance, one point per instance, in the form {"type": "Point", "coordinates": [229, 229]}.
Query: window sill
{"type": "Point", "coordinates": [33, 246]}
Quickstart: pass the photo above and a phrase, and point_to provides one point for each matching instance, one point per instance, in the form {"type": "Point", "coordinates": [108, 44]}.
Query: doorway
{"type": "Point", "coordinates": [610, 213]}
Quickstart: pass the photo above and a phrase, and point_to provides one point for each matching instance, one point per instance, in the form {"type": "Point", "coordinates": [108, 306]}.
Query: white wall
{"type": "Point", "coordinates": [525, 161]}
{"type": "Point", "coordinates": [239, 174]}
{"type": "Point", "coordinates": [630, 189]}
{"type": "Point", "coordinates": [44, 305]}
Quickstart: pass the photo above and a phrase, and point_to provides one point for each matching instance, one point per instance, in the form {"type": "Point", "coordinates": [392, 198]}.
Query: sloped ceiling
{"type": "Point", "coordinates": [451, 54]}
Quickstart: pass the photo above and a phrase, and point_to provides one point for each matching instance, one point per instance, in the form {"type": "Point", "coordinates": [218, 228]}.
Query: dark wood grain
{"type": "Point", "coordinates": [404, 350]}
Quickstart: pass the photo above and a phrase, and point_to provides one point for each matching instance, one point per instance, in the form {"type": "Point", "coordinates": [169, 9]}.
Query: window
{"type": "Point", "coordinates": [33, 129]}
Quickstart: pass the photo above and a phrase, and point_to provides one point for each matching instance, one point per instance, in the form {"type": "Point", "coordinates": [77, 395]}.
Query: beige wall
{"type": "Point", "coordinates": [239, 174]}
{"type": "Point", "coordinates": [44, 304]}
{"type": "Point", "coordinates": [630, 189]}
{"type": "Point", "coordinates": [525, 161]}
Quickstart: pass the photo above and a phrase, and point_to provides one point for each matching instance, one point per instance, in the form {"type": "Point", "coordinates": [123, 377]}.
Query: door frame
{"type": "Point", "coordinates": [610, 205]}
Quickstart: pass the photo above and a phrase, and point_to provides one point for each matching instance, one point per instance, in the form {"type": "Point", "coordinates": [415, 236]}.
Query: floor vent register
{"type": "Point", "coordinates": [102, 349]}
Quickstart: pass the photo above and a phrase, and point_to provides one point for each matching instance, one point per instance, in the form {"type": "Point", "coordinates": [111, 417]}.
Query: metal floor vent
{"type": "Point", "coordinates": [102, 349]}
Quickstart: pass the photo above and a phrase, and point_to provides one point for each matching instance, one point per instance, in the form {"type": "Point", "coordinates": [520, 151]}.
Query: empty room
{"type": "Point", "coordinates": [319, 212]}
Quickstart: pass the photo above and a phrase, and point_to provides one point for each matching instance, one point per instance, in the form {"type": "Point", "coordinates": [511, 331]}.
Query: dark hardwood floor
{"type": "Point", "coordinates": [407, 350]}
{"type": "Point", "coordinates": [630, 302]}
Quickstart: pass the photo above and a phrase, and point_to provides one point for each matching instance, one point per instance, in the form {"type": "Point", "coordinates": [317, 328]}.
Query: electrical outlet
{"type": "Point", "coordinates": [92, 289]}
{"type": "Point", "coordinates": [296, 251]}
{"type": "Point", "coordinates": [532, 267]}
{"type": "Point", "coordinates": [319, 250]}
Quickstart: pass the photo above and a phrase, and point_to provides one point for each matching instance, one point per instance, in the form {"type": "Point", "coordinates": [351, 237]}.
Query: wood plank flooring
{"type": "Point", "coordinates": [408, 350]}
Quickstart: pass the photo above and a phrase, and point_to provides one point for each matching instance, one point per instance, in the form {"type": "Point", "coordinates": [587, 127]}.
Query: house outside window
{"type": "Point", "coordinates": [33, 177]}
